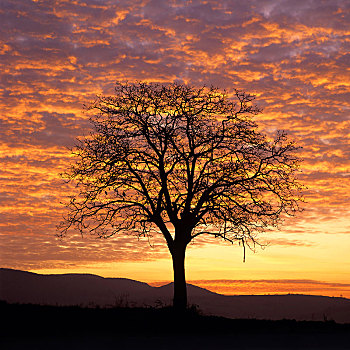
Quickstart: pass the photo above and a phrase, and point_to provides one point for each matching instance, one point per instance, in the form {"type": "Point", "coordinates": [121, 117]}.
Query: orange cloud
{"type": "Point", "coordinates": [56, 58]}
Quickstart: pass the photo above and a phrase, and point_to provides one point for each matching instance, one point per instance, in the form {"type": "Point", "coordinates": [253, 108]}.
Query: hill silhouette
{"type": "Point", "coordinates": [91, 290]}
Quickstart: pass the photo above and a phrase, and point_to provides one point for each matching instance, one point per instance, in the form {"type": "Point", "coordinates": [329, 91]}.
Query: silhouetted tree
{"type": "Point", "coordinates": [183, 162]}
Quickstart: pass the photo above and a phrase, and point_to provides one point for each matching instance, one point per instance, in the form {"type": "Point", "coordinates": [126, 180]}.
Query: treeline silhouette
{"type": "Point", "coordinates": [40, 327]}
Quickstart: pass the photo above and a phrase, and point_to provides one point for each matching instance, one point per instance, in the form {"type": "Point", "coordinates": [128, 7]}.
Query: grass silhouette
{"type": "Point", "coordinates": [29, 326]}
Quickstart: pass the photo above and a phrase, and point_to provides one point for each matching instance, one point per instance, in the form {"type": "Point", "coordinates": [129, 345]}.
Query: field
{"type": "Point", "coordinates": [53, 327]}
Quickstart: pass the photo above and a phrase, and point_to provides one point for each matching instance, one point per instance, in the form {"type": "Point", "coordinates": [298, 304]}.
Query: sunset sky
{"type": "Point", "coordinates": [57, 55]}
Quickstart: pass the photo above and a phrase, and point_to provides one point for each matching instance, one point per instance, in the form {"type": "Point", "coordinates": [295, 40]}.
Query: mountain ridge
{"type": "Point", "coordinates": [18, 286]}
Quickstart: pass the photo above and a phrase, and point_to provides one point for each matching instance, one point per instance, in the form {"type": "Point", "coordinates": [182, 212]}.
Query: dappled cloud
{"type": "Point", "coordinates": [57, 55]}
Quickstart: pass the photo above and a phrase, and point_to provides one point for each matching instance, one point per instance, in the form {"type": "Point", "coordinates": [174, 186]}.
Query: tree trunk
{"type": "Point", "coordinates": [180, 291]}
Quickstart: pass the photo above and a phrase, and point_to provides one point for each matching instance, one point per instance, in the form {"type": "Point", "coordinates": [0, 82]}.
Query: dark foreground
{"type": "Point", "coordinates": [49, 327]}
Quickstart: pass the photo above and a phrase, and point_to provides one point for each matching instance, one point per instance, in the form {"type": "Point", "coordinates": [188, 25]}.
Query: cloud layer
{"type": "Point", "coordinates": [285, 286]}
{"type": "Point", "coordinates": [57, 55]}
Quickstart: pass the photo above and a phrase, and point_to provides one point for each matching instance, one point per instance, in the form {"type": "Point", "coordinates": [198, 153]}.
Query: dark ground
{"type": "Point", "coordinates": [50, 328]}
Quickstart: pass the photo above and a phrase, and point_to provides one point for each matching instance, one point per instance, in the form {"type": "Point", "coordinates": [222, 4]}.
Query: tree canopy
{"type": "Point", "coordinates": [180, 161]}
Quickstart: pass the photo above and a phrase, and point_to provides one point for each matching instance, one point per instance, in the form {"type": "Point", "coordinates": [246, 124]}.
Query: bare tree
{"type": "Point", "coordinates": [182, 162]}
